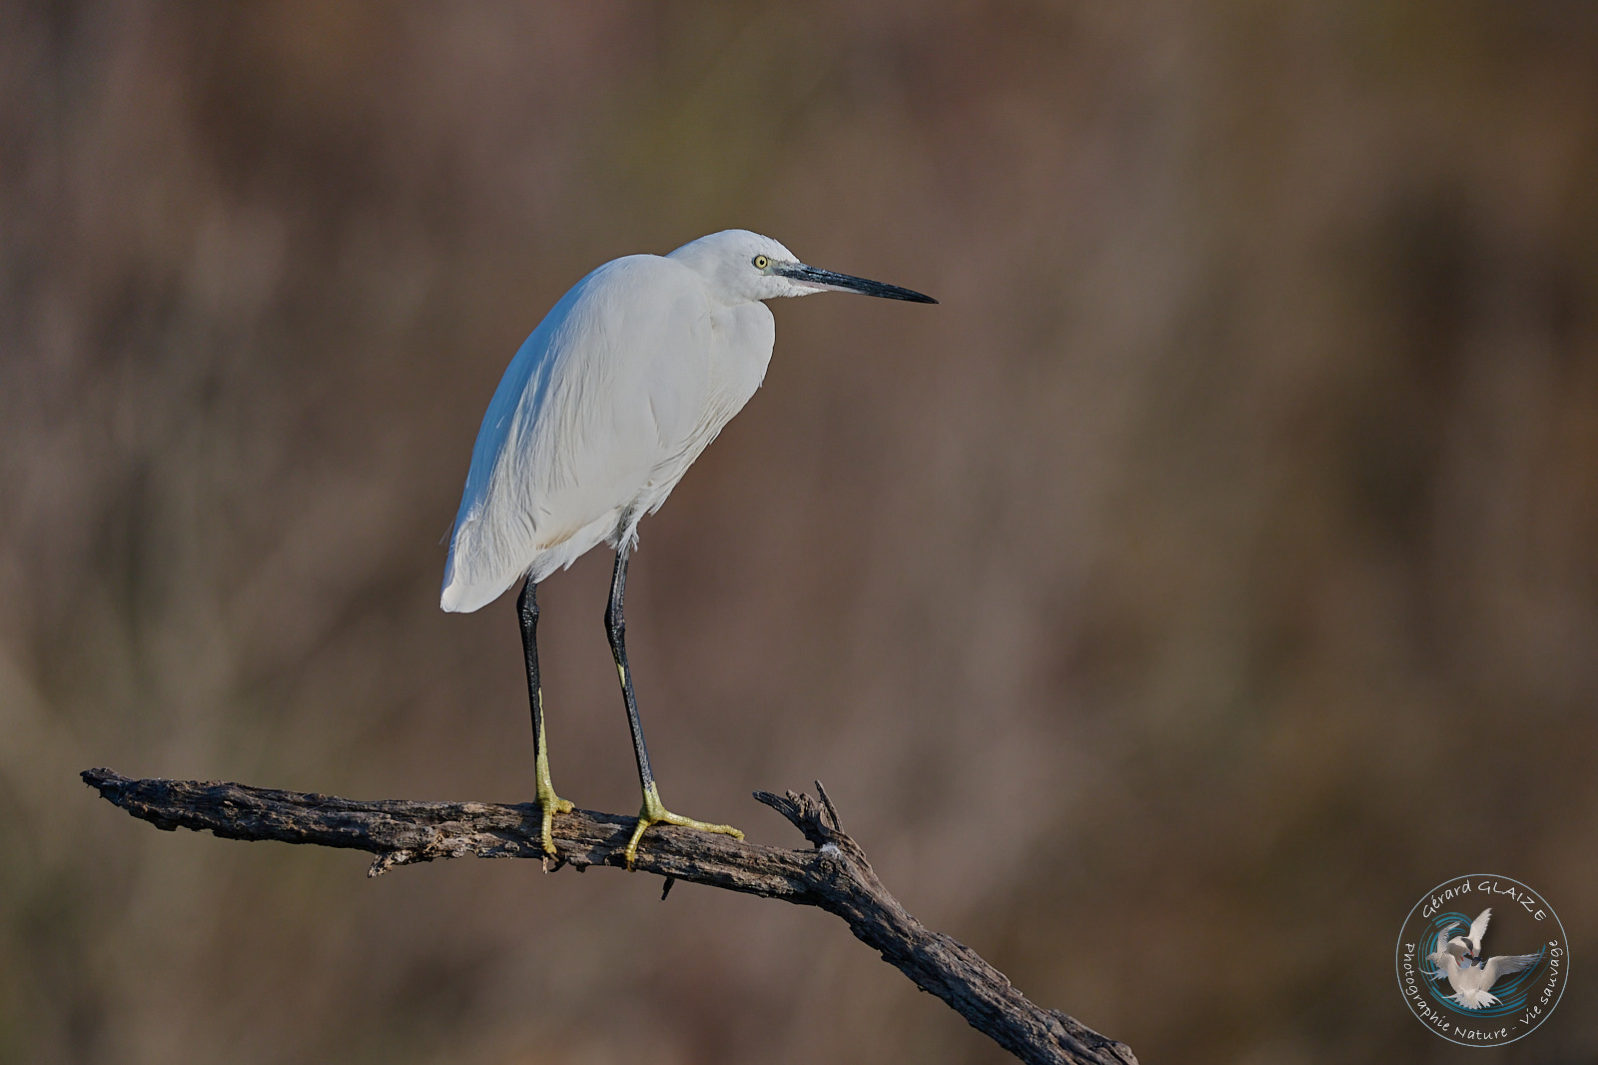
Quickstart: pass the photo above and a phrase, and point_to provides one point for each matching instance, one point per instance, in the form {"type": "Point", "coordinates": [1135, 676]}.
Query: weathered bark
{"type": "Point", "coordinates": [833, 875]}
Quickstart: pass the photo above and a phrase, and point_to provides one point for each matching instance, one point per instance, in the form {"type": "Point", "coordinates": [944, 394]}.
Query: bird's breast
{"type": "Point", "coordinates": [741, 341]}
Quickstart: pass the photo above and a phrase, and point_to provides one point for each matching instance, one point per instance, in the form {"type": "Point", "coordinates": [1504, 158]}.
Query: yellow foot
{"type": "Point", "coordinates": [551, 804]}
{"type": "Point", "coordinates": [653, 813]}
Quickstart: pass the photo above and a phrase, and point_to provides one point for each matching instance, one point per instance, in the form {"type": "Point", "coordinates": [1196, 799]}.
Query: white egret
{"type": "Point", "coordinates": [597, 418]}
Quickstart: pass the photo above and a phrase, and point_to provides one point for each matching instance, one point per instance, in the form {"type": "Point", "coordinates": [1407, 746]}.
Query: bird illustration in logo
{"type": "Point", "coordinates": [1459, 961]}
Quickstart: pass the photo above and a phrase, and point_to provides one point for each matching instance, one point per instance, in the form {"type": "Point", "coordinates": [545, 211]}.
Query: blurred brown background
{"type": "Point", "coordinates": [1213, 573]}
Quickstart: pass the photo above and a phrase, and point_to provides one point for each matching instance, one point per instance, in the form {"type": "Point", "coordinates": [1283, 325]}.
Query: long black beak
{"type": "Point", "coordinates": [810, 275]}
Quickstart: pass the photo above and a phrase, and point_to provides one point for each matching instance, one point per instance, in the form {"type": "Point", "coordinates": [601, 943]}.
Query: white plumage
{"type": "Point", "coordinates": [1471, 944]}
{"type": "Point", "coordinates": [597, 418]}
{"type": "Point", "coordinates": [1458, 961]}
{"type": "Point", "coordinates": [605, 407]}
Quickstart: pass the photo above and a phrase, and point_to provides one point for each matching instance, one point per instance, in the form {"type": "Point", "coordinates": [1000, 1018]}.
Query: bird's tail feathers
{"type": "Point", "coordinates": [1475, 1000]}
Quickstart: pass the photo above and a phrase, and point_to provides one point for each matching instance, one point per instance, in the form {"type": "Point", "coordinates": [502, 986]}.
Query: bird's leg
{"type": "Point", "coordinates": [652, 812]}
{"type": "Point", "coordinates": [549, 804]}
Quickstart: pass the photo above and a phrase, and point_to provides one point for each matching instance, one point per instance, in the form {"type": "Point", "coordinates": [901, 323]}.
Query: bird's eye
{"type": "Point", "coordinates": [761, 262]}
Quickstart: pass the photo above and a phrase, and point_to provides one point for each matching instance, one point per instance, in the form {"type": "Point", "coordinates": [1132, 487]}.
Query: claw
{"type": "Point", "coordinates": [654, 813]}
{"type": "Point", "coordinates": [550, 805]}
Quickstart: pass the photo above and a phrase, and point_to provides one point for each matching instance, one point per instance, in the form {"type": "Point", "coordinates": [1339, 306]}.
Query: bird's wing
{"type": "Point", "coordinates": [631, 410]}
{"type": "Point", "coordinates": [1478, 929]}
{"type": "Point", "coordinates": [575, 427]}
{"type": "Point", "coordinates": [1504, 964]}
{"type": "Point", "coordinates": [1444, 956]}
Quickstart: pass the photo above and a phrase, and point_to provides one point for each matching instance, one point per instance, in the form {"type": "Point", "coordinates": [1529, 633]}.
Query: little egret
{"type": "Point", "coordinates": [597, 418]}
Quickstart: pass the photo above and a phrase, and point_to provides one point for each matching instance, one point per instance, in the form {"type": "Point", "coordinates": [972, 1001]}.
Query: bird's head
{"type": "Point", "coordinates": [743, 267]}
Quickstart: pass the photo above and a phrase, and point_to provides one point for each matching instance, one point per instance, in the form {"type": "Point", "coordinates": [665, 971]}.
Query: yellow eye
{"type": "Point", "coordinates": [761, 262]}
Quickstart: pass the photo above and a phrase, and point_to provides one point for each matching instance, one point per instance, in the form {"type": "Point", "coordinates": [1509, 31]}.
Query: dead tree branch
{"type": "Point", "coordinates": [832, 875]}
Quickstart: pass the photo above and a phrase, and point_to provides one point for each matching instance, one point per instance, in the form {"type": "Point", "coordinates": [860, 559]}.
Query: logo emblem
{"type": "Point", "coordinates": [1470, 991]}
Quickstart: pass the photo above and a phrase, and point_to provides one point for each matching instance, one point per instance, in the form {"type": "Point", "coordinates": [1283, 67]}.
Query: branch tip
{"type": "Point", "coordinates": [832, 811]}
